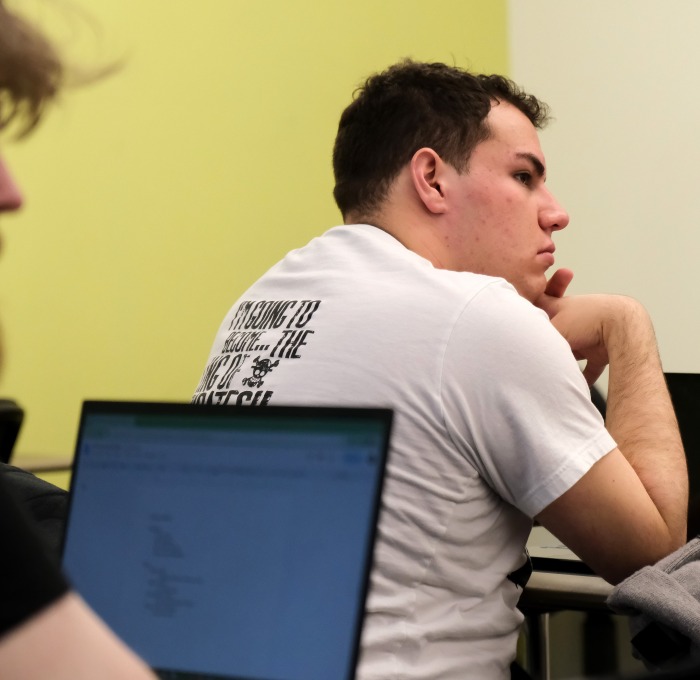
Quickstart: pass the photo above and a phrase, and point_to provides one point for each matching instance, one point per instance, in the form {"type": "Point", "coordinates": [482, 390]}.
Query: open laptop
{"type": "Point", "coordinates": [228, 542]}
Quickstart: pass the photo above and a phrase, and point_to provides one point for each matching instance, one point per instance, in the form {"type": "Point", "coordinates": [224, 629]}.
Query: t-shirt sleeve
{"type": "Point", "coordinates": [516, 403]}
{"type": "Point", "coordinates": [30, 578]}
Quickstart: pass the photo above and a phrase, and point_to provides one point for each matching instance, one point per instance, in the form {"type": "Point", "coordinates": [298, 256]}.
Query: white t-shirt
{"type": "Point", "coordinates": [493, 421]}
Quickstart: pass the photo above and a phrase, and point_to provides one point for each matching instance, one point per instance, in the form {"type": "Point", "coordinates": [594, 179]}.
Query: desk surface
{"type": "Point", "coordinates": [560, 580]}
{"type": "Point", "coordinates": [549, 554]}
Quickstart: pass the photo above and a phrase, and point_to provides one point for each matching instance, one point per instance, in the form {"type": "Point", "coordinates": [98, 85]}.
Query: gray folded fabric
{"type": "Point", "coordinates": [663, 603]}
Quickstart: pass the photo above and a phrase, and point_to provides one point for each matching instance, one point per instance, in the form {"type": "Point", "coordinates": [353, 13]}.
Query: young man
{"type": "Point", "coordinates": [46, 630]}
{"type": "Point", "coordinates": [432, 299]}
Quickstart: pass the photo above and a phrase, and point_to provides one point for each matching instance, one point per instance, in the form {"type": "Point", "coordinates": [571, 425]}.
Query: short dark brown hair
{"type": "Point", "coordinates": [31, 72]}
{"type": "Point", "coordinates": [409, 106]}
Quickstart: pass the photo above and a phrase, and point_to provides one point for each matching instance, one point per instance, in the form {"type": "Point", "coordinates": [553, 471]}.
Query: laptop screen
{"type": "Point", "coordinates": [224, 541]}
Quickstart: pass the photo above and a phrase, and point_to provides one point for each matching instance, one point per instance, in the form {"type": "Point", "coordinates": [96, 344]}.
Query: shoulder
{"type": "Point", "coordinates": [495, 312]}
{"type": "Point", "coordinates": [505, 355]}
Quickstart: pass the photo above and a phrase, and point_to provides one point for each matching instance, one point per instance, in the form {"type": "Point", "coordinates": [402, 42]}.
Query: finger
{"type": "Point", "coordinates": [559, 282]}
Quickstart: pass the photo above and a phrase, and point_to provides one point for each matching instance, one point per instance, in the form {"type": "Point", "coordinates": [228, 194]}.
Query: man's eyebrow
{"type": "Point", "coordinates": [536, 162]}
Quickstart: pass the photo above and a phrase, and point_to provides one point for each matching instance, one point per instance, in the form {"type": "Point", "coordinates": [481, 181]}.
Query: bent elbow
{"type": "Point", "coordinates": [616, 571]}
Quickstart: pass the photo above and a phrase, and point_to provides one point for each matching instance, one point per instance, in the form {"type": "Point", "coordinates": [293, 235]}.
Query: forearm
{"type": "Point", "coordinates": [636, 496]}
{"type": "Point", "coordinates": [640, 415]}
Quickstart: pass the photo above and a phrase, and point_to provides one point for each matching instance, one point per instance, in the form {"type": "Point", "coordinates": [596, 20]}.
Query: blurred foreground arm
{"type": "Point", "coordinates": [66, 640]}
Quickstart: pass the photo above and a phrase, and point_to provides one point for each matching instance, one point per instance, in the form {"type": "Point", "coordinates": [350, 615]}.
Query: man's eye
{"type": "Point", "coordinates": [524, 178]}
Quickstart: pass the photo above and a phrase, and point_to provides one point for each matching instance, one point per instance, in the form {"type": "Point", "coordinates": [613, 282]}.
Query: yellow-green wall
{"type": "Point", "coordinates": [157, 195]}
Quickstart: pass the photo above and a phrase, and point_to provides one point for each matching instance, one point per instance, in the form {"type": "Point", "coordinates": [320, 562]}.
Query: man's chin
{"type": "Point", "coordinates": [531, 293]}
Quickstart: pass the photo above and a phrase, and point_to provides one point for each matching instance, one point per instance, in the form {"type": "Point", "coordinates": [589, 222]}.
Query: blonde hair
{"type": "Point", "coordinates": [31, 72]}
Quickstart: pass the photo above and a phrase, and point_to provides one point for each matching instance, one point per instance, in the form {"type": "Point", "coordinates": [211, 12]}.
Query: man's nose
{"type": "Point", "coordinates": [552, 215]}
{"type": "Point", "coordinates": [10, 195]}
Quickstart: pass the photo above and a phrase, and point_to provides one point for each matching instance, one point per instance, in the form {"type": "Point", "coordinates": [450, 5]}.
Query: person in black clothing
{"type": "Point", "coordinates": [45, 503]}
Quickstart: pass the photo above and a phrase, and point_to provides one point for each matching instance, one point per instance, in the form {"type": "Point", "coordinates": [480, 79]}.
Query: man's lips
{"type": "Point", "coordinates": [546, 255]}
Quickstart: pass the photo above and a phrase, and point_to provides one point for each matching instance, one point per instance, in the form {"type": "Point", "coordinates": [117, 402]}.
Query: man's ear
{"type": "Point", "coordinates": [427, 173]}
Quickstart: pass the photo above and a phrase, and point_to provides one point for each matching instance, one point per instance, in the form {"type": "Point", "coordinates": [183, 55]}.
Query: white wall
{"type": "Point", "coordinates": [623, 155]}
